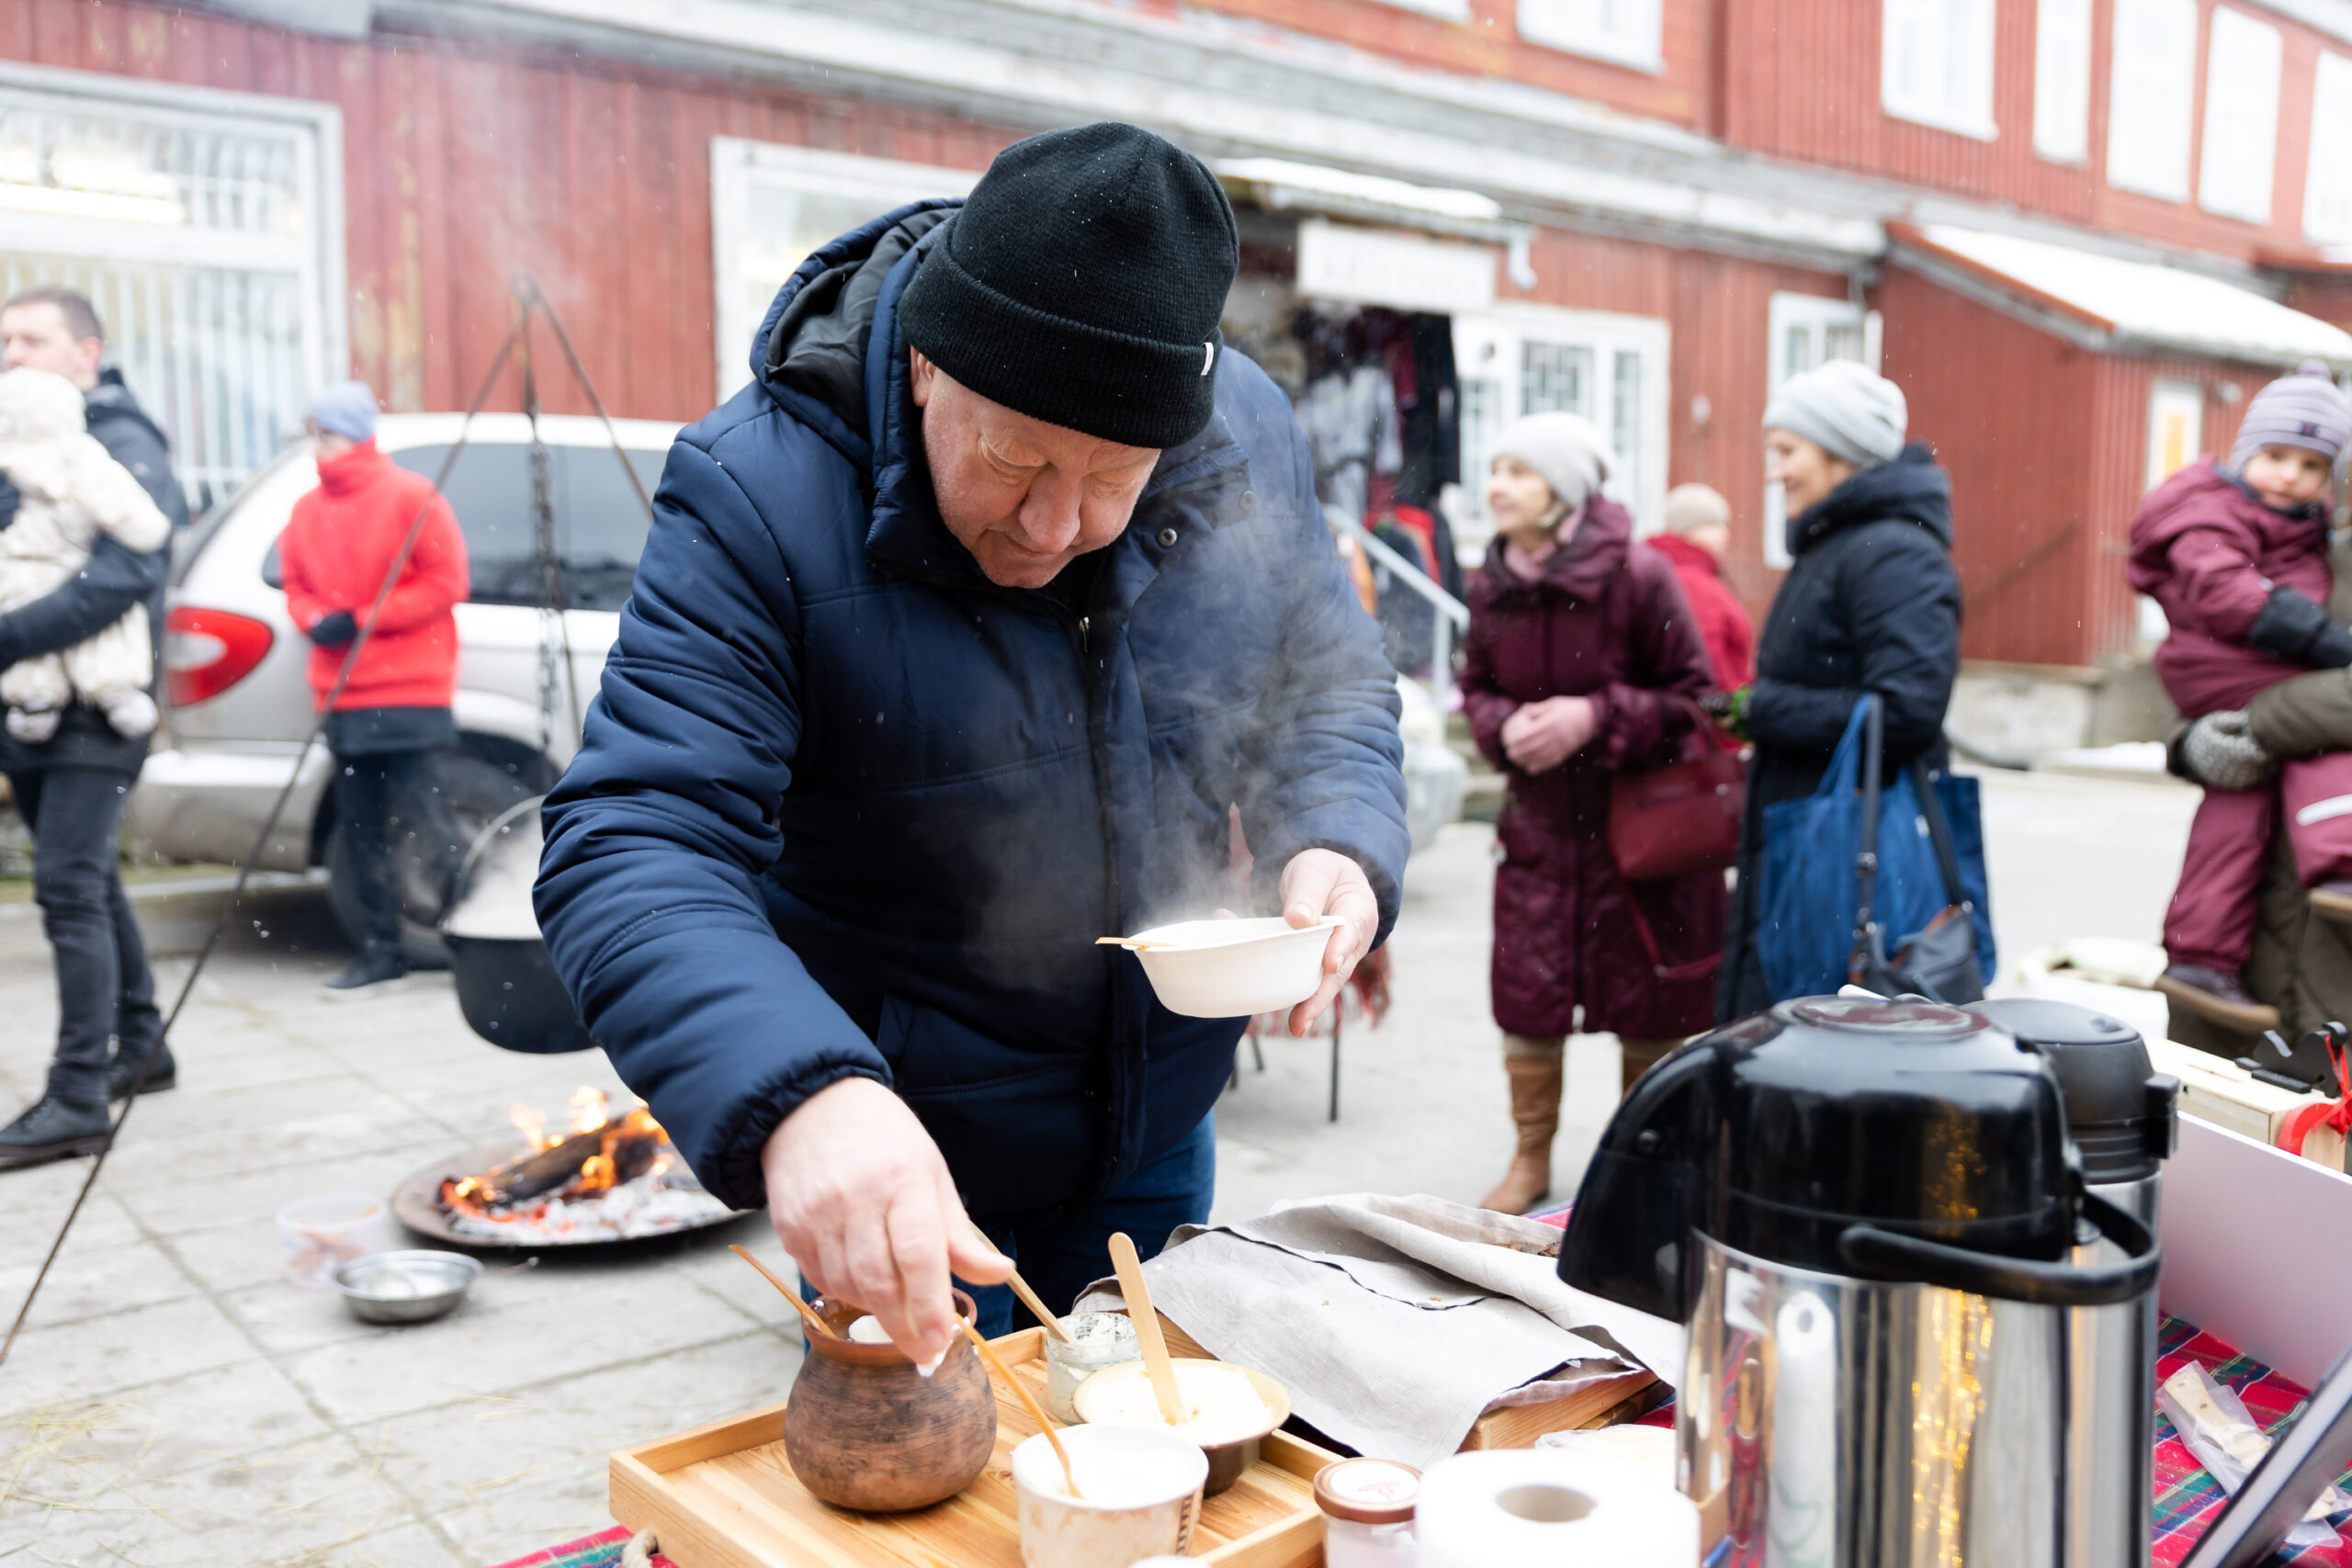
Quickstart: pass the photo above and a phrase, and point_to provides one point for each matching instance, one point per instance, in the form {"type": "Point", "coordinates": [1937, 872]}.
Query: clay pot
{"type": "Point", "coordinates": [864, 1431]}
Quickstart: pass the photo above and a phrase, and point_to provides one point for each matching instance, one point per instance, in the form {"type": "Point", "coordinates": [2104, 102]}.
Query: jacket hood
{"type": "Point", "coordinates": [1582, 568]}
{"type": "Point", "coordinates": [111, 401]}
{"type": "Point", "coordinates": [1912, 488]}
{"type": "Point", "coordinates": [2205, 493]}
{"type": "Point", "coordinates": [346, 473]}
{"type": "Point", "coordinates": [811, 352]}
{"type": "Point", "coordinates": [1683, 553]}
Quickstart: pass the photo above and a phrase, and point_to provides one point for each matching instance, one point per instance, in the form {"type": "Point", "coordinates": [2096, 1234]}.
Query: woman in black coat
{"type": "Point", "coordinates": [1872, 604]}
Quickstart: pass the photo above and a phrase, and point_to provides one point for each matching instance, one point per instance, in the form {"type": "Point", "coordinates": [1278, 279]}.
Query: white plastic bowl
{"type": "Point", "coordinates": [1235, 968]}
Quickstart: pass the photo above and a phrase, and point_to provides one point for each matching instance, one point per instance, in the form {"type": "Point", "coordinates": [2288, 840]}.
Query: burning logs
{"type": "Point", "coordinates": [602, 1179]}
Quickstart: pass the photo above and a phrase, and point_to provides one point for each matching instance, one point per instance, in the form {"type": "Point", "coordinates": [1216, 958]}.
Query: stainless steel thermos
{"type": "Point", "coordinates": [1875, 1222]}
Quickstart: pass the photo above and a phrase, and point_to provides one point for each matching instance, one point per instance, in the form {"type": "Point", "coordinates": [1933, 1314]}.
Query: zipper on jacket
{"type": "Point", "coordinates": [1085, 625]}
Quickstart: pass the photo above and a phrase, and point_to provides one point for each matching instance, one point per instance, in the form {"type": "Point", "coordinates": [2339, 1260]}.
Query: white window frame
{"type": "Point", "coordinates": [2168, 398]}
{"type": "Point", "coordinates": [1444, 10]}
{"type": "Point", "coordinates": [2061, 81]}
{"type": "Point", "coordinates": [2134, 148]}
{"type": "Point", "coordinates": [1594, 28]}
{"type": "Point", "coordinates": [736, 164]}
{"type": "Point", "coordinates": [1963, 105]}
{"type": "Point", "coordinates": [1488, 347]}
{"type": "Point", "coordinates": [2239, 162]}
{"type": "Point", "coordinates": [313, 258]}
{"type": "Point", "coordinates": [1815, 314]}
{"type": "Point", "coordinates": [2327, 174]}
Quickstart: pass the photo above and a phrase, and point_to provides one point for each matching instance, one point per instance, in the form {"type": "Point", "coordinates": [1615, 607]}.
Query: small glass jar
{"type": "Point", "coordinates": [1368, 1513]}
{"type": "Point", "coordinates": [1098, 1339]}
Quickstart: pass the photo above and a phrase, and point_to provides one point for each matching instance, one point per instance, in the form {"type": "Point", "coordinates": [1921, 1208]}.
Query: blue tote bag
{"type": "Point", "coordinates": [1808, 892]}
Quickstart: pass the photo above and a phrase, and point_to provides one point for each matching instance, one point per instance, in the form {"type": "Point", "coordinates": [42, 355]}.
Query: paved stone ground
{"type": "Point", "coordinates": [175, 1401]}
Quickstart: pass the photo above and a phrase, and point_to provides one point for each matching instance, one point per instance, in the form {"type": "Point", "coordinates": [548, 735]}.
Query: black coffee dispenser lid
{"type": "Point", "coordinates": [2120, 1110]}
{"type": "Point", "coordinates": [1776, 1135]}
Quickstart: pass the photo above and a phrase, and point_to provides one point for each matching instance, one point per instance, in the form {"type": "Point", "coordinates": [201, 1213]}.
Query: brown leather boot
{"type": "Point", "coordinates": [1637, 1055]}
{"type": "Point", "coordinates": [1535, 1106]}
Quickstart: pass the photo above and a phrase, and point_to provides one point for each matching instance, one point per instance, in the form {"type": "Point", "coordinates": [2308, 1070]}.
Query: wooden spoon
{"type": "Point", "coordinates": [818, 1323]}
{"type": "Point", "coordinates": [1045, 1422]}
{"type": "Point", "coordinates": [1029, 1298]}
{"type": "Point", "coordinates": [1148, 1336]}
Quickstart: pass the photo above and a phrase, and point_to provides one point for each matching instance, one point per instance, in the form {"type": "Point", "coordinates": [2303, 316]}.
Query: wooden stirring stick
{"type": "Point", "coordinates": [818, 1323]}
{"type": "Point", "coordinates": [1045, 1422]}
{"type": "Point", "coordinates": [1029, 1298]}
{"type": "Point", "coordinates": [1155, 1348]}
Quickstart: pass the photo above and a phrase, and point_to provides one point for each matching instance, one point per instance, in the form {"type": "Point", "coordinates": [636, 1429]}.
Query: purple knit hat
{"type": "Point", "coordinates": [2304, 409]}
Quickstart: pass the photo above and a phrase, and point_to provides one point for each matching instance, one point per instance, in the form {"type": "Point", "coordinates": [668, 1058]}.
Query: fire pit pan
{"type": "Point", "coordinates": [416, 1204]}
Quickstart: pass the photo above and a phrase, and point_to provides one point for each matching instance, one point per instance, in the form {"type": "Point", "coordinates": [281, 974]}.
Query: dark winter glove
{"type": "Point", "coordinates": [2292, 627]}
{"type": "Point", "coordinates": [335, 628]}
{"type": "Point", "coordinates": [10, 498]}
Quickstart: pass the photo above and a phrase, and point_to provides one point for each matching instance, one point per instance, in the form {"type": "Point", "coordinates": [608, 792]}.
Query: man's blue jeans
{"type": "Point", "coordinates": [1060, 1254]}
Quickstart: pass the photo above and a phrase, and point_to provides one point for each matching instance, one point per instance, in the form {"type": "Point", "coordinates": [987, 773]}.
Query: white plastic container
{"type": "Point", "coordinates": [1143, 1497]}
{"type": "Point", "coordinates": [1234, 968]}
{"type": "Point", "coordinates": [319, 1234]}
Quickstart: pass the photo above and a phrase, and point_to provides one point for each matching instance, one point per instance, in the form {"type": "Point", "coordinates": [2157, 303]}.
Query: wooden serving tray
{"type": "Point", "coordinates": [724, 1497]}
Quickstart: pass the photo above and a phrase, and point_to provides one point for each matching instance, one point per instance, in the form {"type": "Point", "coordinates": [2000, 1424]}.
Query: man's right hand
{"type": "Point", "coordinates": [334, 629]}
{"type": "Point", "coordinates": [863, 1202]}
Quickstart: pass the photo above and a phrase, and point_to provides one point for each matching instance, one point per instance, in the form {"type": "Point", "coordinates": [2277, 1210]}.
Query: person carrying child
{"type": "Point", "coordinates": [2237, 555]}
{"type": "Point", "coordinates": [73, 490]}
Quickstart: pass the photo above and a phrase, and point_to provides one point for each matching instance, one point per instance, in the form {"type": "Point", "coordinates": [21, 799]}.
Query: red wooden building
{"type": "Point", "coordinates": [2079, 232]}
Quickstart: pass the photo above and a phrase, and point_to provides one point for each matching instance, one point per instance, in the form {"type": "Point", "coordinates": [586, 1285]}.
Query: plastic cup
{"type": "Point", "coordinates": [321, 1234]}
{"type": "Point", "coordinates": [1143, 1497]}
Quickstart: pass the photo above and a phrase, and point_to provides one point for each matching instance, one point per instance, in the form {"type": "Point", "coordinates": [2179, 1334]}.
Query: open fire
{"type": "Point", "coordinates": [597, 1177]}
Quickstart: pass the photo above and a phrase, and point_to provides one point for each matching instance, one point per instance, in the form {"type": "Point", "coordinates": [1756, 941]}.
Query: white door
{"type": "Point", "coordinates": [1524, 359]}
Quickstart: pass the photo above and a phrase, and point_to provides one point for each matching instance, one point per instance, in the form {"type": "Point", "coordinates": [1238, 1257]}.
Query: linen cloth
{"type": "Point", "coordinates": [1395, 1322]}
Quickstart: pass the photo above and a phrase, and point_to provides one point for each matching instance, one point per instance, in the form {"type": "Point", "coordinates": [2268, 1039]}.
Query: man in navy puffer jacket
{"type": "Point", "coordinates": [957, 634]}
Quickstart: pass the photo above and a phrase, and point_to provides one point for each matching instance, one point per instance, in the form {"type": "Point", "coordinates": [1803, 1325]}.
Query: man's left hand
{"type": "Point", "coordinates": [1318, 882]}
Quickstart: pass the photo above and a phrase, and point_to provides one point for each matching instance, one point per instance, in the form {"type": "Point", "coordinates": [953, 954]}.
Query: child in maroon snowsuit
{"type": "Point", "coordinates": [2236, 556]}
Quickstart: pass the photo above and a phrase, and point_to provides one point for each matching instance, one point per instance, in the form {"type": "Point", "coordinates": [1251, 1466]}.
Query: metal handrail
{"type": "Point", "coordinates": [1451, 612]}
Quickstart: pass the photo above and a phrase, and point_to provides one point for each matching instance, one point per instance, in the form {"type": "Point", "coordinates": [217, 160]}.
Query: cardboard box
{"type": "Point", "coordinates": [2255, 1250]}
{"type": "Point", "coordinates": [2219, 1091]}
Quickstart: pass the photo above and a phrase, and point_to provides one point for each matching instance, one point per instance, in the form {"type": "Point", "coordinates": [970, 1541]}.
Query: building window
{"type": "Point", "coordinates": [2327, 180]}
{"type": "Point", "coordinates": [771, 206]}
{"type": "Point", "coordinates": [207, 228]}
{"type": "Point", "coordinates": [1624, 32]}
{"type": "Point", "coordinates": [1524, 359]}
{"type": "Point", "coordinates": [2151, 98]}
{"type": "Point", "coordinates": [2061, 80]}
{"type": "Point", "coordinates": [2241, 117]}
{"type": "Point", "coordinates": [1450, 10]}
{"type": "Point", "coordinates": [1805, 331]}
{"type": "Point", "coordinates": [2176, 428]}
{"type": "Point", "coordinates": [1935, 64]}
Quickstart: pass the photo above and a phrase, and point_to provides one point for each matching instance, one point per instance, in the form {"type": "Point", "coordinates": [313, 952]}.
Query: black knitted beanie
{"type": "Point", "coordinates": [1081, 285]}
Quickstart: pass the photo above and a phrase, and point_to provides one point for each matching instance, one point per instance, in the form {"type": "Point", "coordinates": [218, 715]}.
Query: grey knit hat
{"type": "Point", "coordinates": [1567, 449]}
{"type": "Point", "coordinates": [2306, 410]}
{"type": "Point", "coordinates": [347, 409]}
{"type": "Point", "coordinates": [1855, 416]}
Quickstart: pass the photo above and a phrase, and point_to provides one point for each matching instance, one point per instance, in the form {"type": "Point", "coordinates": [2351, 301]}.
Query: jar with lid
{"type": "Point", "coordinates": [1098, 1339]}
{"type": "Point", "coordinates": [1368, 1513]}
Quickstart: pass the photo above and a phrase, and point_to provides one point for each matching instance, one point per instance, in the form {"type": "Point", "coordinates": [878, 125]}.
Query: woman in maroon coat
{"type": "Point", "coordinates": [1582, 660]}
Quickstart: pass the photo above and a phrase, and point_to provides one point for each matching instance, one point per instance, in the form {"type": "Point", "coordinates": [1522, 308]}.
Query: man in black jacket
{"type": "Point", "coordinates": [70, 789]}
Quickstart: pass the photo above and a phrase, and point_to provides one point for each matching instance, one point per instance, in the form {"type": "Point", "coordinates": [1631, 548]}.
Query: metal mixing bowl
{"type": "Point", "coordinates": [405, 1287]}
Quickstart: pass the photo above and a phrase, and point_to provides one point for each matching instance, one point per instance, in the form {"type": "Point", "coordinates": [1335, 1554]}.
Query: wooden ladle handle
{"type": "Point", "coordinates": [1162, 1373]}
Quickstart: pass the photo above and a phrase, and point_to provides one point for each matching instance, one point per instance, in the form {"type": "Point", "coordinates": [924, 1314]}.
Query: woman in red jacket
{"type": "Point", "coordinates": [1698, 531]}
{"type": "Point", "coordinates": [1583, 660]}
{"type": "Point", "coordinates": [394, 705]}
